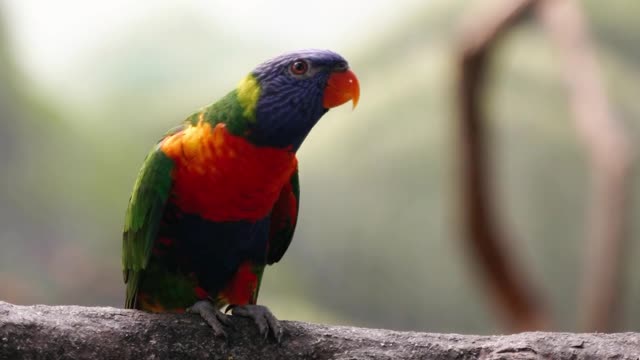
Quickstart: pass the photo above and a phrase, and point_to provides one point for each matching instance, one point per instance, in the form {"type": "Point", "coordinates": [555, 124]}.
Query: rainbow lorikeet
{"type": "Point", "coordinates": [217, 198]}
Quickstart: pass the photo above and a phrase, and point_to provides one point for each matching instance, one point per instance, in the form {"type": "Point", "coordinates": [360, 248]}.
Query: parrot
{"type": "Point", "coordinates": [216, 199]}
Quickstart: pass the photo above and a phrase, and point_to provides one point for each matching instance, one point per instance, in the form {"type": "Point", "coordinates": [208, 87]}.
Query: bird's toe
{"type": "Point", "coordinates": [214, 317]}
{"type": "Point", "coordinates": [262, 317]}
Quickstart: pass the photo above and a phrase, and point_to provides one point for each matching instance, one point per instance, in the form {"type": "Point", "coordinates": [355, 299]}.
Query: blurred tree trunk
{"type": "Point", "coordinates": [516, 296]}
{"type": "Point", "coordinates": [611, 164]}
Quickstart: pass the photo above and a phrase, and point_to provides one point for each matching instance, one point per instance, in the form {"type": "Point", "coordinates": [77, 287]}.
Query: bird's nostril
{"type": "Point", "coordinates": [341, 66]}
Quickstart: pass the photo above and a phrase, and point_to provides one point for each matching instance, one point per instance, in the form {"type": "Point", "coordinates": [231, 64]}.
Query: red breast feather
{"type": "Point", "coordinates": [222, 177]}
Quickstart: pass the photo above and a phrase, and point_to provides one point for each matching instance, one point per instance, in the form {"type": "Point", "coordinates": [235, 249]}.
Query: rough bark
{"type": "Point", "coordinates": [73, 332]}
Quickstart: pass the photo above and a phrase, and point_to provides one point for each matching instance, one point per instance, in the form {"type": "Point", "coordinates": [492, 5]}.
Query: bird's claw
{"type": "Point", "coordinates": [214, 317]}
{"type": "Point", "coordinates": [263, 318]}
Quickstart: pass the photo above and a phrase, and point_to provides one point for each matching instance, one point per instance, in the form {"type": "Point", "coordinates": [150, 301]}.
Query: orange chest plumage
{"type": "Point", "coordinates": [223, 177]}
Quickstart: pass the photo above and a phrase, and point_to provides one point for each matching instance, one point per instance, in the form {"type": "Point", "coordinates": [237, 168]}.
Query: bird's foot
{"type": "Point", "coordinates": [263, 317]}
{"type": "Point", "coordinates": [214, 317]}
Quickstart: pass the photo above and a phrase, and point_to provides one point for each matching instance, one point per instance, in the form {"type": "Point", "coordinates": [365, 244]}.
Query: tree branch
{"type": "Point", "coordinates": [520, 301]}
{"type": "Point", "coordinates": [611, 159]}
{"type": "Point", "coordinates": [73, 332]}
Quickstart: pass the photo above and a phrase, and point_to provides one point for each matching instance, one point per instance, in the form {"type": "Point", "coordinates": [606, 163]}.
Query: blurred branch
{"type": "Point", "coordinates": [610, 155]}
{"type": "Point", "coordinates": [73, 332]}
{"type": "Point", "coordinates": [517, 297]}
{"type": "Point", "coordinates": [611, 163]}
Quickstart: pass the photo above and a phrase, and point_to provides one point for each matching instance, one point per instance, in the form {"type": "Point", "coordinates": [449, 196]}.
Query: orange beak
{"type": "Point", "coordinates": [342, 86]}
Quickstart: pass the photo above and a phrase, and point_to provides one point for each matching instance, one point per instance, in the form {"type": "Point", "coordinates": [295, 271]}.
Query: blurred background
{"type": "Point", "coordinates": [87, 87]}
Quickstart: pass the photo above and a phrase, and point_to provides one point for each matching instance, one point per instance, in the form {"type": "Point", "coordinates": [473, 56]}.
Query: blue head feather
{"type": "Point", "coordinates": [290, 105]}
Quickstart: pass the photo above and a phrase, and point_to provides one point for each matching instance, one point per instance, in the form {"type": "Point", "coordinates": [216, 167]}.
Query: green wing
{"type": "Point", "coordinates": [284, 217]}
{"type": "Point", "coordinates": [144, 214]}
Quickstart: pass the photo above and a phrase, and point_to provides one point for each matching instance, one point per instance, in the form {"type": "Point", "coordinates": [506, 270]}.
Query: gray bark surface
{"type": "Point", "coordinates": [75, 332]}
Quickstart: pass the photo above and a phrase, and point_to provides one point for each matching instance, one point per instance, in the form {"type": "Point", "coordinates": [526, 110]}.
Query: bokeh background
{"type": "Point", "coordinates": [87, 87]}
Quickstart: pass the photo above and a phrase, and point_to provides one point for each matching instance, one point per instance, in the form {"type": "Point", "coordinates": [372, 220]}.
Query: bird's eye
{"type": "Point", "coordinates": [299, 67]}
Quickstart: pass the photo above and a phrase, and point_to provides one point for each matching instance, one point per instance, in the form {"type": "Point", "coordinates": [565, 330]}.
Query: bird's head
{"type": "Point", "coordinates": [285, 96]}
